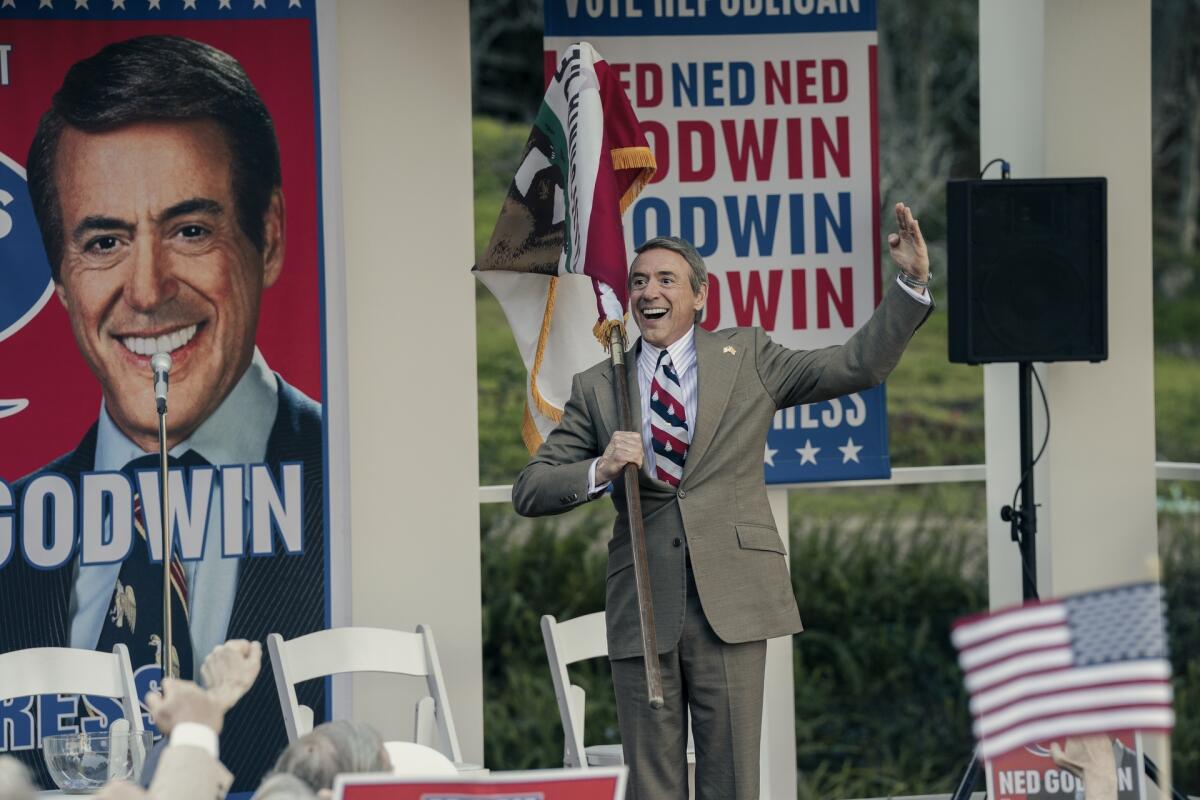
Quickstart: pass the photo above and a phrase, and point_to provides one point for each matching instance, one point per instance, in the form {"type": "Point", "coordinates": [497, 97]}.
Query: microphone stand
{"type": "Point", "coordinates": [168, 667]}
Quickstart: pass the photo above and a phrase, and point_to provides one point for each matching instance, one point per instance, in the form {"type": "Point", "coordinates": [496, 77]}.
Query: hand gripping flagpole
{"type": "Point", "coordinates": [160, 364]}
{"type": "Point", "coordinates": [637, 529]}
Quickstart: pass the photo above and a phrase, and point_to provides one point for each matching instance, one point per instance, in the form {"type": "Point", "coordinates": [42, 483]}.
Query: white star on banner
{"type": "Point", "coordinates": [81, 4]}
{"type": "Point", "coordinates": [9, 4]}
{"type": "Point", "coordinates": [189, 4]}
{"type": "Point", "coordinates": [118, 5]}
{"type": "Point", "coordinates": [260, 3]}
{"type": "Point", "coordinates": [808, 453]}
{"type": "Point", "coordinates": [293, 3]}
{"type": "Point", "coordinates": [45, 4]}
{"type": "Point", "coordinates": [769, 455]}
{"type": "Point", "coordinates": [850, 451]}
{"type": "Point", "coordinates": [223, 4]}
{"type": "Point", "coordinates": [154, 5]}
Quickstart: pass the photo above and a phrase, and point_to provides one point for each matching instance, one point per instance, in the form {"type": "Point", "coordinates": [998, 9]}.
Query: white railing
{"type": "Point", "coordinates": [905, 476]}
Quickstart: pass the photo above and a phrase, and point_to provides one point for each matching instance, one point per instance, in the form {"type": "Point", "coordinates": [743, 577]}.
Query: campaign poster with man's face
{"type": "Point", "coordinates": [160, 186]}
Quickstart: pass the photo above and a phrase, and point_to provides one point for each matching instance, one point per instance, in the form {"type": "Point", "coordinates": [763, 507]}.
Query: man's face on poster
{"type": "Point", "coordinates": [154, 260]}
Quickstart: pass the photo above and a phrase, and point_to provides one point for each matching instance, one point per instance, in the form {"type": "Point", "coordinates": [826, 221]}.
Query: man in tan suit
{"type": "Point", "coordinates": [718, 571]}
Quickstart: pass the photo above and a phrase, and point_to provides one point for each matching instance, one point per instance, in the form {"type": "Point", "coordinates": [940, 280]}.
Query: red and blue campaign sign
{"type": "Point", "coordinates": [596, 783]}
{"type": "Point", "coordinates": [762, 117]}
{"type": "Point", "coordinates": [160, 191]}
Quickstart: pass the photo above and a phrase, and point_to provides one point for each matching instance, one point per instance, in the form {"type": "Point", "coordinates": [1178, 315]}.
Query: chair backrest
{"type": "Point", "coordinates": [567, 642]}
{"type": "Point", "coordinates": [68, 670]}
{"type": "Point", "coordinates": [356, 649]}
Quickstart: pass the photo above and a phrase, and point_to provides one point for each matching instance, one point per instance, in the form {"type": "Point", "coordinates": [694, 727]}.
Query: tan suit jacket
{"type": "Point", "coordinates": [720, 509]}
{"type": "Point", "coordinates": [184, 772]}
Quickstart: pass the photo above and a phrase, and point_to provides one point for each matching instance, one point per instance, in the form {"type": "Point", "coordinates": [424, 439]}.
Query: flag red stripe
{"type": "Point", "coordinates": [1095, 710]}
{"type": "Point", "coordinates": [1024, 698]}
{"type": "Point", "coordinates": [1006, 634]}
{"type": "Point", "coordinates": [1066, 678]}
{"type": "Point", "coordinates": [970, 626]}
{"type": "Point", "coordinates": [1015, 654]}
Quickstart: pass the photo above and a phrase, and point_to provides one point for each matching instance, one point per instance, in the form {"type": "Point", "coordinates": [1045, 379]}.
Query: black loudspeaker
{"type": "Point", "coordinates": [1027, 270]}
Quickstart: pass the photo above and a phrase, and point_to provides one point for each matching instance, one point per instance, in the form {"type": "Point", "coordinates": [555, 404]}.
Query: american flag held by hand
{"type": "Point", "coordinates": [1088, 663]}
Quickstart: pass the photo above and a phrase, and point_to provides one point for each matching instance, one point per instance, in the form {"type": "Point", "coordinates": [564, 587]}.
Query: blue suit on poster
{"type": "Point", "coordinates": [277, 594]}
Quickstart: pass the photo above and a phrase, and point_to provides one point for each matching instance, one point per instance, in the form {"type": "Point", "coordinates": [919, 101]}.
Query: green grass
{"type": "Point", "coordinates": [935, 408]}
{"type": "Point", "coordinates": [1177, 407]}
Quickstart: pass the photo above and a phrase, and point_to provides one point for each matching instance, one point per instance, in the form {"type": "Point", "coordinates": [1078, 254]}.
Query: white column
{"type": "Point", "coordinates": [1065, 92]}
{"type": "Point", "coordinates": [405, 97]}
{"type": "Point", "coordinates": [1101, 509]}
{"type": "Point", "coordinates": [1011, 45]}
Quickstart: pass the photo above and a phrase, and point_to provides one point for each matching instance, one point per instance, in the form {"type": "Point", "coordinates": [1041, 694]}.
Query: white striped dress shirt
{"type": "Point", "coordinates": [683, 359]}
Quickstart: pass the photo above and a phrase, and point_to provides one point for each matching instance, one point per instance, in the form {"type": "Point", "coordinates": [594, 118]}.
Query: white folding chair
{"type": "Point", "coordinates": [410, 758]}
{"type": "Point", "coordinates": [342, 650]}
{"type": "Point", "coordinates": [567, 642]}
{"type": "Point", "coordinates": [69, 670]}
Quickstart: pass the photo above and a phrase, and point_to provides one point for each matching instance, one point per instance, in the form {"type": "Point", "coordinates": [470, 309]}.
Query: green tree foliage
{"type": "Point", "coordinates": [1180, 552]}
{"type": "Point", "coordinates": [549, 566]}
{"type": "Point", "coordinates": [880, 705]}
{"type": "Point", "coordinates": [506, 67]}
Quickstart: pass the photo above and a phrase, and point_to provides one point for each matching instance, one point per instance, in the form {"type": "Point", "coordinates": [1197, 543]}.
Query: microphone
{"type": "Point", "coordinates": [160, 363]}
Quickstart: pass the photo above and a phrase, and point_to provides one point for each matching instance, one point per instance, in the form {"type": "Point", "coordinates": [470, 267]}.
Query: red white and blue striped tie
{"type": "Point", "coordinates": [669, 431]}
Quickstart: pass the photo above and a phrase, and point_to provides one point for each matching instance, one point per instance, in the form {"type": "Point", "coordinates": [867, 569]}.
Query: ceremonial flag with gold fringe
{"type": "Point", "coordinates": [556, 260]}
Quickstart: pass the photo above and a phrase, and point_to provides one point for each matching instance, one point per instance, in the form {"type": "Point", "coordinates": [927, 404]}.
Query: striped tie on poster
{"type": "Point", "coordinates": [1085, 664]}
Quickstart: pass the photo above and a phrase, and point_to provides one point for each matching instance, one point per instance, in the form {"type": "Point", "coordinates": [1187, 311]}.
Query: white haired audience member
{"type": "Point", "coordinates": [283, 786]}
{"type": "Point", "coordinates": [331, 749]}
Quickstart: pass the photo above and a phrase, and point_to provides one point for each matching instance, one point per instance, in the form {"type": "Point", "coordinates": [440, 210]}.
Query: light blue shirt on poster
{"type": "Point", "coordinates": [236, 433]}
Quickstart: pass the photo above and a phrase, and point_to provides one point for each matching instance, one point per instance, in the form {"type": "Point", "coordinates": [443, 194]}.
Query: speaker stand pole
{"type": "Point", "coordinates": [1024, 521]}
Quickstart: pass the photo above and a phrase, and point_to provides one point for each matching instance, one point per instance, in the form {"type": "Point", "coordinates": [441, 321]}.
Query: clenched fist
{"type": "Point", "coordinates": [230, 670]}
{"type": "Point", "coordinates": [625, 447]}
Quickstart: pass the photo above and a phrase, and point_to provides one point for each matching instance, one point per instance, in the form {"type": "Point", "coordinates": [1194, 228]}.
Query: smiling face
{"type": "Point", "coordinates": [660, 292]}
{"type": "Point", "coordinates": [154, 261]}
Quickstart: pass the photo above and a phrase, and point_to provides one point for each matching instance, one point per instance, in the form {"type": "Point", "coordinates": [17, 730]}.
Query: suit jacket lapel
{"type": "Point", "coordinates": [607, 399]}
{"type": "Point", "coordinates": [717, 369]}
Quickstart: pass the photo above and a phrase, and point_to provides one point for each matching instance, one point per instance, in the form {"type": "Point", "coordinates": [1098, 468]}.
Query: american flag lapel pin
{"type": "Point", "coordinates": [730, 349]}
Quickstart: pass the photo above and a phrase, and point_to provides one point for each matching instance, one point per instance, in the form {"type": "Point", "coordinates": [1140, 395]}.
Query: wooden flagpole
{"type": "Point", "coordinates": [637, 530]}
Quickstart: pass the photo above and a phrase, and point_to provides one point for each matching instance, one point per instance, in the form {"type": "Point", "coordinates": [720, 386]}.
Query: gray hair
{"type": "Point", "coordinates": [684, 248]}
{"type": "Point", "coordinates": [14, 780]}
{"type": "Point", "coordinates": [282, 786]}
{"type": "Point", "coordinates": [331, 749]}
